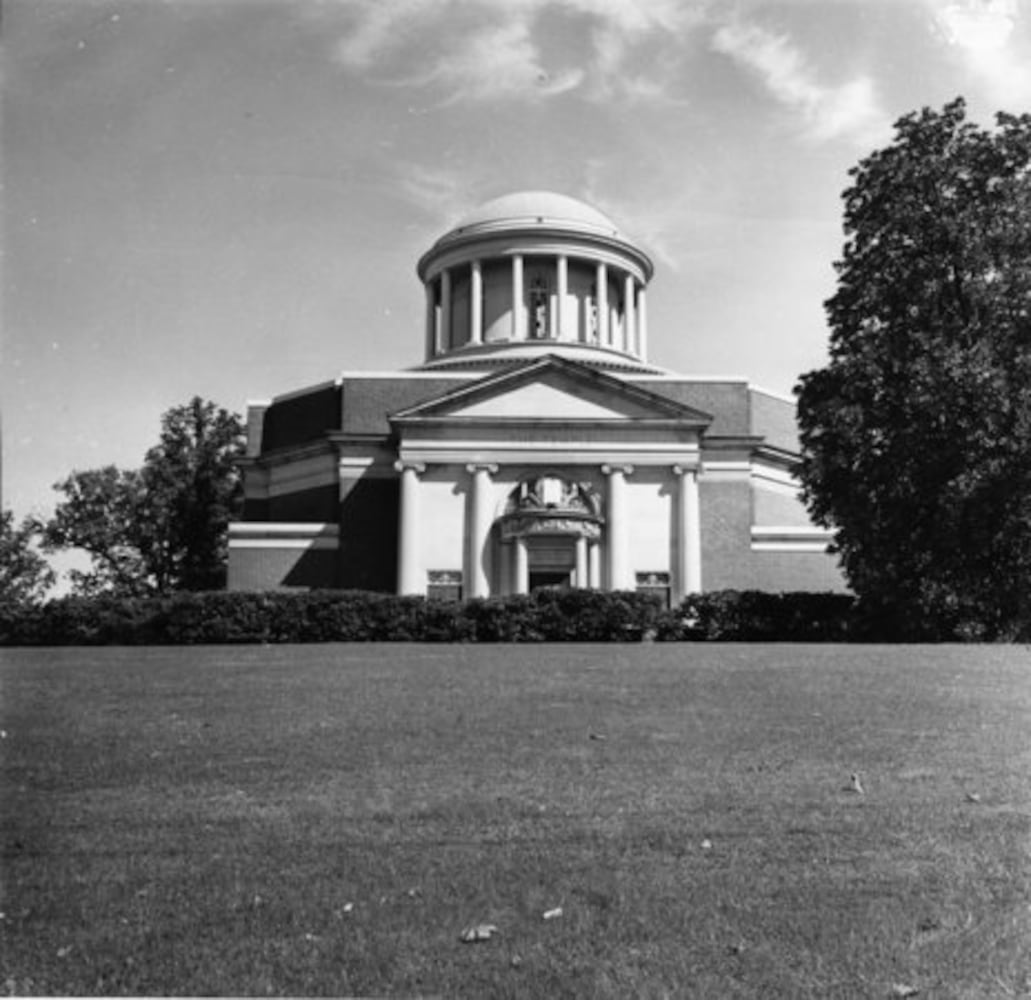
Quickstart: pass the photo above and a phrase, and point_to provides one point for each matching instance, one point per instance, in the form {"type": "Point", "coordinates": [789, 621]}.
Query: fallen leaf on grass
{"type": "Point", "coordinates": [478, 932]}
{"type": "Point", "coordinates": [347, 907]}
{"type": "Point", "coordinates": [973, 797]}
{"type": "Point", "coordinates": [596, 736]}
{"type": "Point", "coordinates": [64, 952]}
{"type": "Point", "coordinates": [552, 914]}
{"type": "Point", "coordinates": [854, 784]}
{"type": "Point", "coordinates": [706, 845]}
{"type": "Point", "coordinates": [902, 990]}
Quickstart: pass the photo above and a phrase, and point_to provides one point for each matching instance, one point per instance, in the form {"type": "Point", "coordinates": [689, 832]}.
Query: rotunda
{"type": "Point", "coordinates": [532, 273]}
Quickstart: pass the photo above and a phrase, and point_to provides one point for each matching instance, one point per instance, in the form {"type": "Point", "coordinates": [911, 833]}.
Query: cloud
{"type": "Point", "coordinates": [478, 50]}
{"type": "Point", "coordinates": [985, 38]}
{"type": "Point", "coordinates": [849, 110]}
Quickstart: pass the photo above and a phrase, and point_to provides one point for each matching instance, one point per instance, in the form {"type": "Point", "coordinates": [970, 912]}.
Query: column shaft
{"type": "Point", "coordinates": [582, 577]}
{"type": "Point", "coordinates": [616, 520]}
{"type": "Point", "coordinates": [445, 310]}
{"type": "Point", "coordinates": [629, 324]}
{"type": "Point", "coordinates": [642, 325]}
{"type": "Point", "coordinates": [601, 303]}
{"type": "Point", "coordinates": [518, 319]}
{"type": "Point", "coordinates": [689, 542]}
{"type": "Point", "coordinates": [522, 566]}
{"type": "Point", "coordinates": [594, 566]}
{"type": "Point", "coordinates": [478, 530]}
{"type": "Point", "coordinates": [561, 293]}
{"type": "Point", "coordinates": [408, 576]}
{"type": "Point", "coordinates": [431, 320]}
{"type": "Point", "coordinates": [476, 303]}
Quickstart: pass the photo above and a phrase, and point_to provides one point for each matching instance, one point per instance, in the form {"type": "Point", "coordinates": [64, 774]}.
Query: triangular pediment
{"type": "Point", "coordinates": [552, 388]}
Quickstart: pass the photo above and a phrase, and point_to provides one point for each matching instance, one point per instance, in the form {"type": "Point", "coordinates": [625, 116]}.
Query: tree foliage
{"type": "Point", "coordinates": [162, 527]}
{"type": "Point", "coordinates": [916, 436]}
{"type": "Point", "coordinates": [25, 576]}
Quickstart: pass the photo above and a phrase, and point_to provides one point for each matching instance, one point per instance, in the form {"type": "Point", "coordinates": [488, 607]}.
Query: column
{"type": "Point", "coordinates": [594, 565]}
{"type": "Point", "coordinates": [522, 565]}
{"type": "Point", "coordinates": [601, 302]}
{"type": "Point", "coordinates": [476, 303]}
{"type": "Point", "coordinates": [478, 529]}
{"type": "Point", "coordinates": [409, 579]}
{"type": "Point", "coordinates": [518, 321]}
{"type": "Point", "coordinates": [560, 320]}
{"type": "Point", "coordinates": [431, 320]}
{"type": "Point", "coordinates": [628, 314]}
{"type": "Point", "coordinates": [689, 532]}
{"type": "Point", "coordinates": [445, 310]}
{"type": "Point", "coordinates": [616, 520]}
{"type": "Point", "coordinates": [642, 325]}
{"type": "Point", "coordinates": [582, 577]}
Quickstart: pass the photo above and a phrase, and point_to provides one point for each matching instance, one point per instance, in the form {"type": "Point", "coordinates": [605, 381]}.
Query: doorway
{"type": "Point", "coordinates": [544, 578]}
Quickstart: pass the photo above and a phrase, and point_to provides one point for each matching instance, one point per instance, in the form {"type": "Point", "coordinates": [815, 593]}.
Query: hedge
{"type": "Point", "coordinates": [332, 616]}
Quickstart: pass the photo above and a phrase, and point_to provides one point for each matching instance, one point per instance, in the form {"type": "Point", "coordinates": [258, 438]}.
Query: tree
{"type": "Point", "coordinates": [25, 576]}
{"type": "Point", "coordinates": [916, 436]}
{"type": "Point", "coordinates": [162, 527]}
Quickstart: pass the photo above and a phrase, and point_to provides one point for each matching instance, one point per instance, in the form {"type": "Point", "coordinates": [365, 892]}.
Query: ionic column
{"type": "Point", "coordinates": [431, 320]}
{"type": "Point", "coordinates": [628, 314]}
{"type": "Point", "coordinates": [445, 310]}
{"type": "Point", "coordinates": [522, 566]}
{"type": "Point", "coordinates": [642, 325]}
{"type": "Point", "coordinates": [594, 565]}
{"type": "Point", "coordinates": [616, 518]}
{"type": "Point", "coordinates": [562, 289]}
{"type": "Point", "coordinates": [689, 532]}
{"type": "Point", "coordinates": [476, 303]}
{"type": "Point", "coordinates": [582, 577]}
{"type": "Point", "coordinates": [601, 282]}
{"type": "Point", "coordinates": [409, 580]}
{"type": "Point", "coordinates": [518, 321]}
{"type": "Point", "coordinates": [478, 528]}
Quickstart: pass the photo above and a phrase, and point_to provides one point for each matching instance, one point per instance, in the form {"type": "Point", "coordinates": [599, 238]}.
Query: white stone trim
{"type": "Point", "coordinates": [790, 538]}
{"type": "Point", "coordinates": [283, 535]}
{"type": "Point", "coordinates": [558, 452]}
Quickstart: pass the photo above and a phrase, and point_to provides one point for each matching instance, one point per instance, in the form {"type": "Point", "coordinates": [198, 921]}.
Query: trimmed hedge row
{"type": "Point", "coordinates": [333, 616]}
{"type": "Point", "coordinates": [357, 616]}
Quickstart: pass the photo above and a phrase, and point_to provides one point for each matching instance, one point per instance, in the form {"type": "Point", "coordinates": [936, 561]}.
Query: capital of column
{"type": "Point", "coordinates": [489, 467]}
{"type": "Point", "coordinates": [407, 466]}
{"type": "Point", "coordinates": [610, 469]}
{"type": "Point", "coordinates": [683, 469]}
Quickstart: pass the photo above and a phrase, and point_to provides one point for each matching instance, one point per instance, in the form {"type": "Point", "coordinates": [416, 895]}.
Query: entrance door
{"type": "Point", "coordinates": [550, 578]}
{"type": "Point", "coordinates": [552, 561]}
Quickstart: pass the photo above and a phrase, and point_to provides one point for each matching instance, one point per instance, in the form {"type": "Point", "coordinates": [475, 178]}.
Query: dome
{"type": "Point", "coordinates": [529, 208]}
{"type": "Point", "coordinates": [535, 271]}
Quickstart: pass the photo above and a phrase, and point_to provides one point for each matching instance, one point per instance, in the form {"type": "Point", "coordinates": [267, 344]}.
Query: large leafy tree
{"type": "Point", "coordinates": [25, 576]}
{"type": "Point", "coordinates": [162, 527]}
{"type": "Point", "coordinates": [916, 436]}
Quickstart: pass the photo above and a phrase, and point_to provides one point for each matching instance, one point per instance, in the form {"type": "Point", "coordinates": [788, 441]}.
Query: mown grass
{"type": "Point", "coordinates": [325, 820]}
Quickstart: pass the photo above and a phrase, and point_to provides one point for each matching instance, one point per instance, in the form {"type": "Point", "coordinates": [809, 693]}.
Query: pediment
{"type": "Point", "coordinates": [552, 389]}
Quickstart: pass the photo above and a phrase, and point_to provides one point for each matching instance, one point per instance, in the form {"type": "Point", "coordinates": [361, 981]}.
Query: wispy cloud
{"type": "Point", "coordinates": [477, 50]}
{"type": "Point", "coordinates": [985, 36]}
{"type": "Point", "coordinates": [848, 110]}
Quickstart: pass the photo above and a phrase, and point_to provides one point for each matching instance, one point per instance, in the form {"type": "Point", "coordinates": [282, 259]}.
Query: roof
{"type": "Point", "coordinates": [522, 208]}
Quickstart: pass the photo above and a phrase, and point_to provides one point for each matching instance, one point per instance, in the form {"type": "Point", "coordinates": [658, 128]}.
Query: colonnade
{"type": "Point", "coordinates": [593, 560]}
{"type": "Point", "coordinates": [620, 324]}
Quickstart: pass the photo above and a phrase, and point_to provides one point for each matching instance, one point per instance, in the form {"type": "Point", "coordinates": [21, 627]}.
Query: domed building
{"type": "Point", "coordinates": [535, 445]}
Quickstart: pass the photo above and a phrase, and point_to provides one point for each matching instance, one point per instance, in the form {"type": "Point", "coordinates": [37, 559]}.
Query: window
{"type": "Point", "coordinates": [444, 585]}
{"type": "Point", "coordinates": [654, 583]}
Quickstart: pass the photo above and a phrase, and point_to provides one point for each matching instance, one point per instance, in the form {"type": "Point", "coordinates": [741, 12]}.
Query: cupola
{"type": "Point", "coordinates": [531, 273]}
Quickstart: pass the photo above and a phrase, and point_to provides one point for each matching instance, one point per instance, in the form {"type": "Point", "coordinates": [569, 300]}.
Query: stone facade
{"type": "Point", "coordinates": [534, 446]}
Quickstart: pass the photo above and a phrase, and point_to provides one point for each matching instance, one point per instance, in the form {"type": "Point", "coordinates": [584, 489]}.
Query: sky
{"type": "Point", "coordinates": [228, 198]}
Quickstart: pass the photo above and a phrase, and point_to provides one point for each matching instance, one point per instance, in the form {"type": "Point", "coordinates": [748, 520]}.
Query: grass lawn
{"type": "Point", "coordinates": [325, 820]}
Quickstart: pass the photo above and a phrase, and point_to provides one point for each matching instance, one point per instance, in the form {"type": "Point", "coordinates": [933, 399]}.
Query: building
{"type": "Point", "coordinates": [535, 445]}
